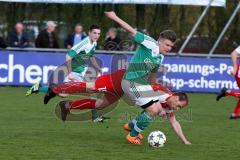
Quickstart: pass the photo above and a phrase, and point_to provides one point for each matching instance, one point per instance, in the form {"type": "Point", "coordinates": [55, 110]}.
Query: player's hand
{"type": "Point", "coordinates": [187, 142]}
{"type": "Point", "coordinates": [110, 14]}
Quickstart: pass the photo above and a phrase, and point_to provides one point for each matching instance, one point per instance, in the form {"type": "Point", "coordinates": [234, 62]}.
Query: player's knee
{"type": "Point", "coordinates": [100, 104]}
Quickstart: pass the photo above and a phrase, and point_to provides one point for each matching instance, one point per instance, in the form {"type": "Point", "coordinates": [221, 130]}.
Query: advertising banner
{"type": "Point", "coordinates": [182, 73]}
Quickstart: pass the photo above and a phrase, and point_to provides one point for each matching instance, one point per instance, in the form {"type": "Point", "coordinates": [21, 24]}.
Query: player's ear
{"type": "Point", "coordinates": [160, 40]}
{"type": "Point", "coordinates": [184, 104]}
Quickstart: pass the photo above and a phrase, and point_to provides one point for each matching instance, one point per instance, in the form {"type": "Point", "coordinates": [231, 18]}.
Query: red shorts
{"type": "Point", "coordinates": [237, 76]}
{"type": "Point", "coordinates": [111, 82]}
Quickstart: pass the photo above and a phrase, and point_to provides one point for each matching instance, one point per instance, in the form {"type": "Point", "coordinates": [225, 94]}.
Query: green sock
{"type": "Point", "coordinates": [131, 125]}
{"type": "Point", "coordinates": [43, 89]}
{"type": "Point", "coordinates": [140, 123]}
{"type": "Point", "coordinates": [94, 114]}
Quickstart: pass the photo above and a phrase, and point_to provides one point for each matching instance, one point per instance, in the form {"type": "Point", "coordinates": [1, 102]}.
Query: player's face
{"type": "Point", "coordinates": [175, 104]}
{"type": "Point", "coordinates": [94, 35]}
{"type": "Point", "coordinates": [165, 45]}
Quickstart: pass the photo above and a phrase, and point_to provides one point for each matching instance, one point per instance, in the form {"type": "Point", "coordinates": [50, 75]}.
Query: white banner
{"type": "Point", "coordinates": [171, 2]}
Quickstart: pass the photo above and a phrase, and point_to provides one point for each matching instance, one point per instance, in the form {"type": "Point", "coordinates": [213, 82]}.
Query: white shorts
{"type": "Point", "coordinates": [77, 77]}
{"type": "Point", "coordinates": [138, 94]}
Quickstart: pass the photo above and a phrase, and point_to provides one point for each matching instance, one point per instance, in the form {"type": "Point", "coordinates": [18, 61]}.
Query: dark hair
{"type": "Point", "coordinates": [94, 26]}
{"type": "Point", "coordinates": [182, 96]}
{"type": "Point", "coordinates": [168, 34]}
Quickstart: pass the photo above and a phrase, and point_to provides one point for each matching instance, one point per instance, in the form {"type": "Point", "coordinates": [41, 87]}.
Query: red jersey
{"type": "Point", "coordinates": [163, 100]}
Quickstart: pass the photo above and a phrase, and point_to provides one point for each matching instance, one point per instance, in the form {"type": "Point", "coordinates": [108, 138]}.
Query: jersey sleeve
{"type": "Point", "coordinates": [72, 53]}
{"type": "Point", "coordinates": [146, 41]}
{"type": "Point", "coordinates": [91, 52]}
{"type": "Point", "coordinates": [160, 87]}
{"type": "Point", "coordinates": [237, 50]}
{"type": "Point", "coordinates": [76, 49]}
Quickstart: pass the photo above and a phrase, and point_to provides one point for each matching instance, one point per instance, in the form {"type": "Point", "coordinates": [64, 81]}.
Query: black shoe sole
{"type": "Point", "coordinates": [49, 95]}
{"type": "Point", "coordinates": [232, 117]}
{"type": "Point", "coordinates": [221, 94]}
{"type": "Point", "coordinates": [64, 110]}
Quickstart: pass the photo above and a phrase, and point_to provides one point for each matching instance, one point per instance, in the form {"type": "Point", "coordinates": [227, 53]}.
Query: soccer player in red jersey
{"type": "Point", "coordinates": [236, 93]}
{"type": "Point", "coordinates": [110, 86]}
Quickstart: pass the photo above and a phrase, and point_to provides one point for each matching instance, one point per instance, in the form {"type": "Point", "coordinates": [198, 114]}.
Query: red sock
{"type": "Point", "coordinates": [82, 104]}
{"type": "Point", "coordinates": [71, 87]}
{"type": "Point", "coordinates": [233, 93]}
{"type": "Point", "coordinates": [237, 108]}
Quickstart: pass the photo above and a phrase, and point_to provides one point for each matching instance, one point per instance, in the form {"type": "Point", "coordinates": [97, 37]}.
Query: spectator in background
{"type": "Point", "coordinates": [112, 42]}
{"type": "Point", "coordinates": [2, 43]}
{"type": "Point", "coordinates": [18, 38]}
{"type": "Point", "coordinates": [47, 37]}
{"type": "Point", "coordinates": [75, 37]}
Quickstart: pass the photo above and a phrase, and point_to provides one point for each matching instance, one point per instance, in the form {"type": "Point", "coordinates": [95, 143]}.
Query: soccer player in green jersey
{"type": "Point", "coordinates": [141, 73]}
{"type": "Point", "coordinates": [80, 53]}
{"type": "Point", "coordinates": [76, 64]}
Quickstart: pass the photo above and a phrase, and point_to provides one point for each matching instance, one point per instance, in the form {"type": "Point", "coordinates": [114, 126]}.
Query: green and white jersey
{"type": "Point", "coordinates": [146, 59]}
{"type": "Point", "coordinates": [80, 53]}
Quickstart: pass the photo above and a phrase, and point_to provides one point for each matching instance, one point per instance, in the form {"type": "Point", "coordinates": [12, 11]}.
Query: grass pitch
{"type": "Point", "coordinates": [30, 130]}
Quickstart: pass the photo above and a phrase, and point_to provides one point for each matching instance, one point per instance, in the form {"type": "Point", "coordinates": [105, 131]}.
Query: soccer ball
{"type": "Point", "coordinates": [156, 139]}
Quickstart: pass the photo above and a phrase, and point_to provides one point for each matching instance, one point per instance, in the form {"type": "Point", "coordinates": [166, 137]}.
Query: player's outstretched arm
{"type": "Point", "coordinates": [95, 65]}
{"type": "Point", "coordinates": [69, 63]}
{"type": "Point", "coordinates": [234, 56]}
{"type": "Point", "coordinates": [178, 129]}
{"type": "Point", "coordinates": [112, 15]}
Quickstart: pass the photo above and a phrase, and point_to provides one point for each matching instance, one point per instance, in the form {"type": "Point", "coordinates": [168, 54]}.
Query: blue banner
{"type": "Point", "coordinates": [199, 74]}
{"type": "Point", "coordinates": [183, 73]}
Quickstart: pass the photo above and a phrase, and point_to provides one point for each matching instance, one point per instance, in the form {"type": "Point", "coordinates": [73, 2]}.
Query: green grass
{"type": "Point", "coordinates": [30, 130]}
